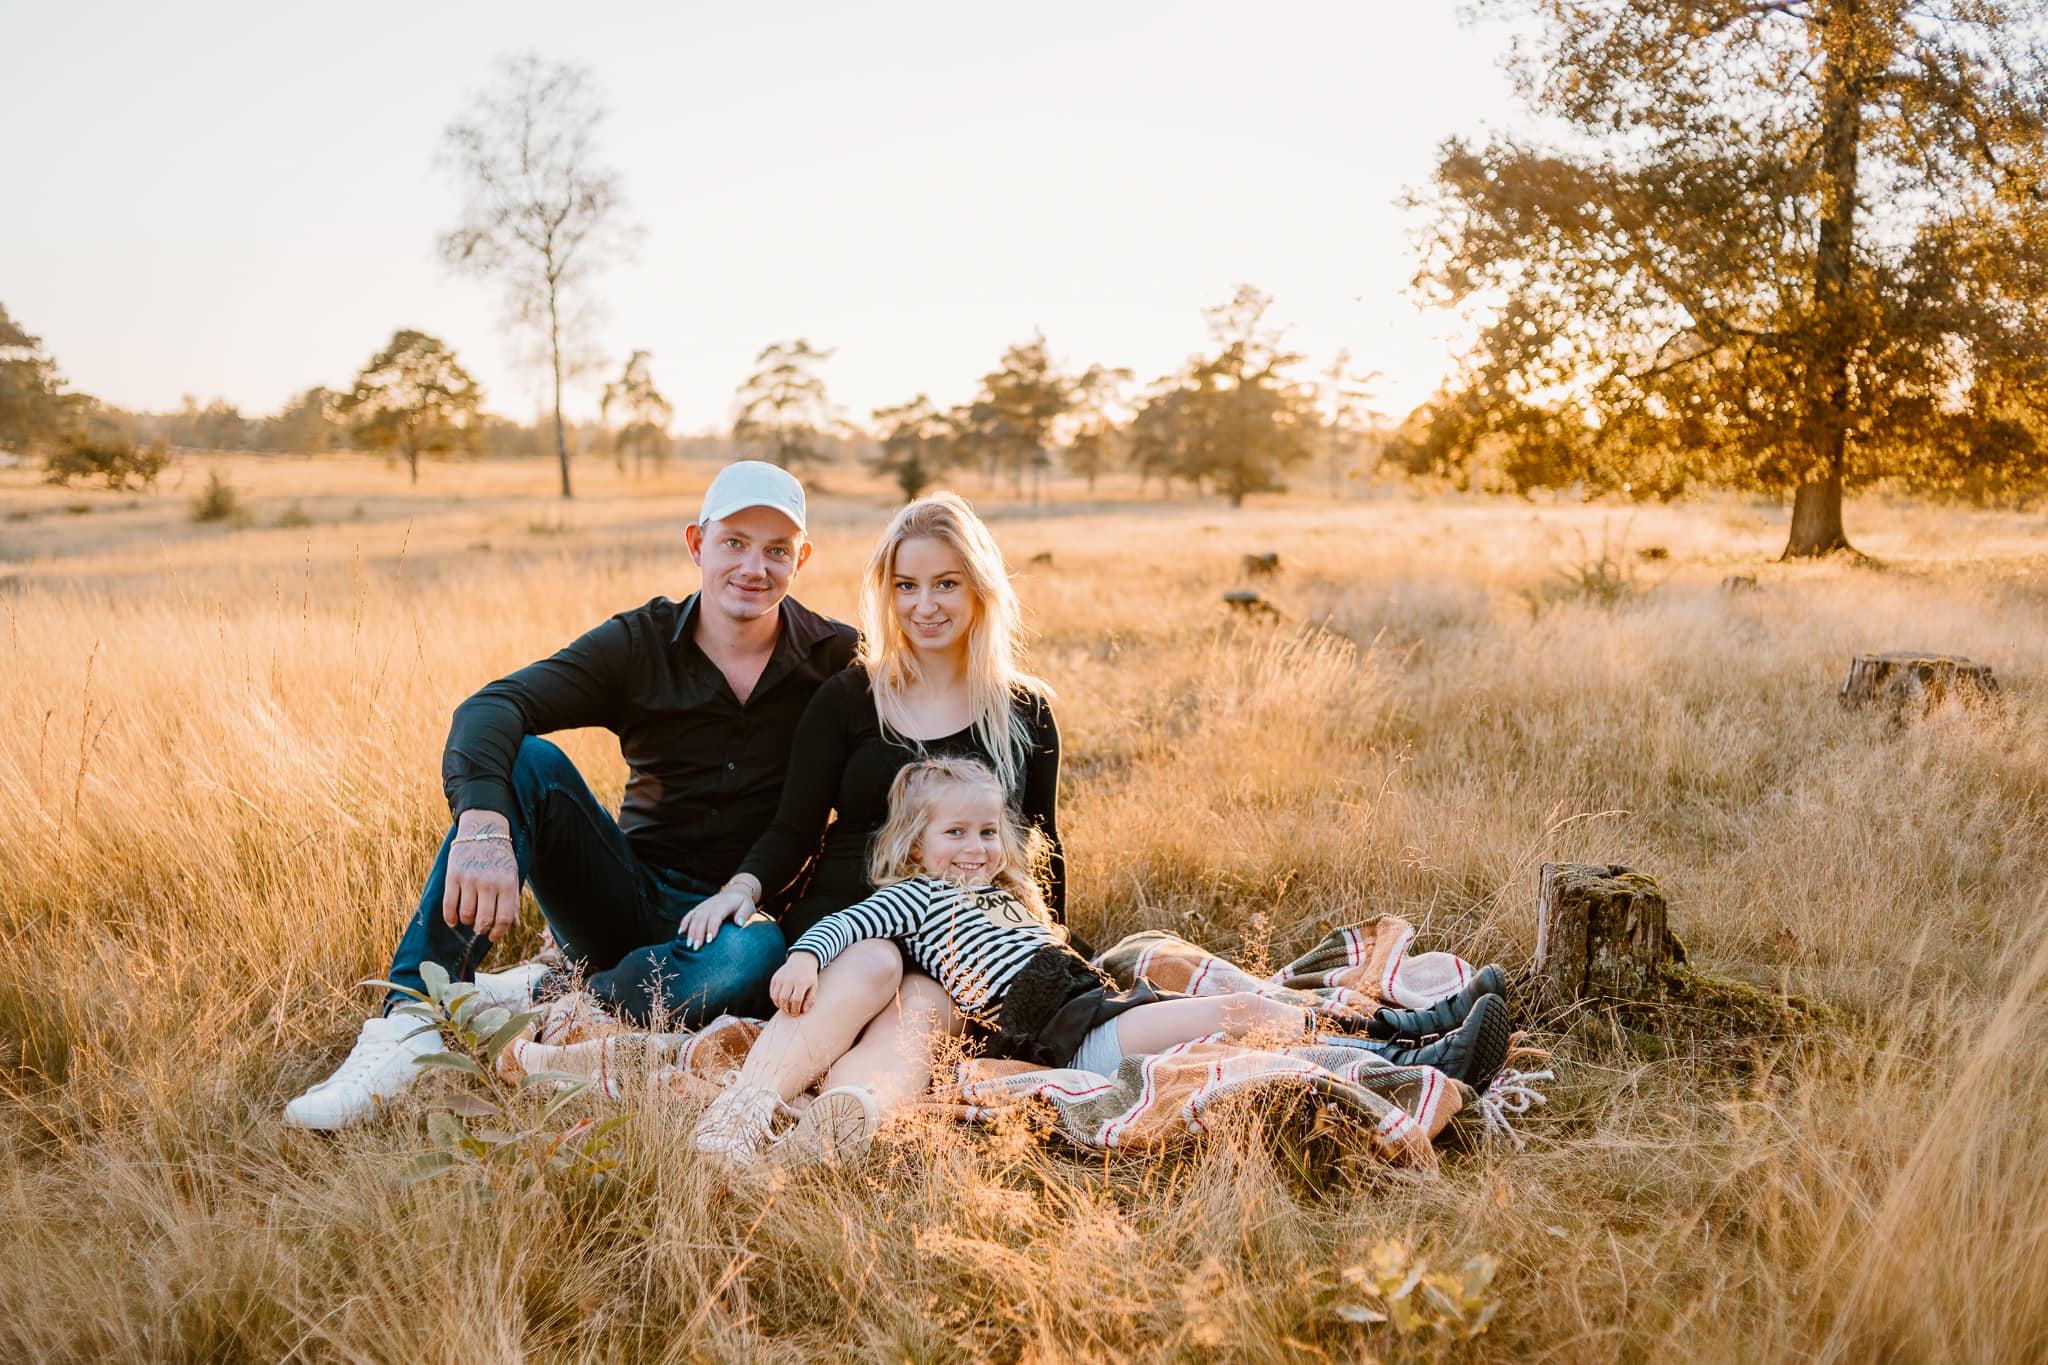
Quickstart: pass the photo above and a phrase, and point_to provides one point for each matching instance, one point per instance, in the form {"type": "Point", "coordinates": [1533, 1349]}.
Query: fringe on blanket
{"type": "Point", "coordinates": [1151, 1101]}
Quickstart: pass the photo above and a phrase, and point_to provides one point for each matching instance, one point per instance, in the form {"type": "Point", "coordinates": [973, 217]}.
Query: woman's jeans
{"type": "Point", "coordinates": [613, 916]}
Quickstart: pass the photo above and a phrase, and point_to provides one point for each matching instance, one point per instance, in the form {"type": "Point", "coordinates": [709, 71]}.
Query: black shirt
{"type": "Point", "coordinates": [844, 764]}
{"type": "Point", "coordinates": [704, 771]}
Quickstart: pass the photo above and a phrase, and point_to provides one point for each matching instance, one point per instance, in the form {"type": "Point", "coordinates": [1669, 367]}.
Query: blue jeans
{"type": "Point", "coordinates": [613, 916]}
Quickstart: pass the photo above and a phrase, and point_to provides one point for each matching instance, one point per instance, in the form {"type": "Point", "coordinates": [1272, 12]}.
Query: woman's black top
{"type": "Point", "coordinates": [840, 762]}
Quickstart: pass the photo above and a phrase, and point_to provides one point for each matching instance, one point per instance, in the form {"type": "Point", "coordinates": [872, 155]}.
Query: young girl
{"type": "Point", "coordinates": [955, 867]}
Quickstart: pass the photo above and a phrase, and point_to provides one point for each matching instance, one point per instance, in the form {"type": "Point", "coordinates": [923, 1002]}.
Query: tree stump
{"type": "Point", "coordinates": [1601, 933]}
{"type": "Point", "coordinates": [1252, 605]}
{"type": "Point", "coordinates": [1914, 682]}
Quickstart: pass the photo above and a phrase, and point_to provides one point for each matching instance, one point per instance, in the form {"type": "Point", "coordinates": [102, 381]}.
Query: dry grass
{"type": "Point", "coordinates": [218, 757]}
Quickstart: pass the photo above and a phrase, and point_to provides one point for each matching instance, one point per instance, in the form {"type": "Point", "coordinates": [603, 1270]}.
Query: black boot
{"type": "Point", "coordinates": [1474, 1054]}
{"type": "Point", "coordinates": [1419, 1026]}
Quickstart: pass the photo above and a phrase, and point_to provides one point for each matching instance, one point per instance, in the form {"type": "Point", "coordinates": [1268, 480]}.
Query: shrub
{"type": "Point", "coordinates": [219, 501]}
{"type": "Point", "coordinates": [109, 456]}
{"type": "Point", "coordinates": [294, 515]}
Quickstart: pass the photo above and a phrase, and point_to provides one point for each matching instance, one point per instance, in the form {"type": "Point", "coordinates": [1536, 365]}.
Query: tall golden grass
{"type": "Point", "coordinates": [218, 795]}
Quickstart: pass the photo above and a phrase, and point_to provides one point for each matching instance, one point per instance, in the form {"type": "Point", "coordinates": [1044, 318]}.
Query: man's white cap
{"type": "Point", "coordinates": [753, 483]}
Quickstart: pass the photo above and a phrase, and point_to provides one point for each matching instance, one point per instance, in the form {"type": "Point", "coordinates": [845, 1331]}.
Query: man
{"type": "Point", "coordinates": [704, 696]}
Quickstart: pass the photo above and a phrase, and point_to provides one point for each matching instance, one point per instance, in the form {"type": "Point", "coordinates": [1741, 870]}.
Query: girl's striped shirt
{"type": "Point", "coordinates": [972, 940]}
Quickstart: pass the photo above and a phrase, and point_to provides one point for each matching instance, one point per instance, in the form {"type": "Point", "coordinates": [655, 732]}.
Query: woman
{"type": "Point", "coordinates": [941, 673]}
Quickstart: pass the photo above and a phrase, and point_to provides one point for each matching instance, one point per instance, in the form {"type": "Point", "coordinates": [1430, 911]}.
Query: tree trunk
{"type": "Point", "coordinates": [1817, 519]}
{"type": "Point", "coordinates": [1817, 506]}
{"type": "Point", "coordinates": [1601, 933]}
{"type": "Point", "coordinates": [555, 355]}
{"type": "Point", "coordinates": [412, 461]}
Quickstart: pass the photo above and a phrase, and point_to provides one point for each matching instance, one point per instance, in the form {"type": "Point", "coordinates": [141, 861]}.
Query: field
{"type": "Point", "coordinates": [219, 756]}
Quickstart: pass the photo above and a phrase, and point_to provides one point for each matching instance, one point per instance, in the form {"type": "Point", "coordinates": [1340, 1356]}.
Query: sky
{"type": "Point", "coordinates": [242, 200]}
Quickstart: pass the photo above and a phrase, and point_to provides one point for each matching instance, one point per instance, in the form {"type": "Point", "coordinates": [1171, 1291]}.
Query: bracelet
{"type": "Point", "coordinates": [483, 836]}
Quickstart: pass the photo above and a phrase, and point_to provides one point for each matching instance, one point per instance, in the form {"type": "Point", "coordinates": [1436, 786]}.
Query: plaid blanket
{"type": "Point", "coordinates": [1151, 1101]}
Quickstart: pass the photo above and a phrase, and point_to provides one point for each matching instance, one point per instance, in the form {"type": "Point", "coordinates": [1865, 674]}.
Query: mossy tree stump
{"type": "Point", "coordinates": [1913, 682]}
{"type": "Point", "coordinates": [1601, 933]}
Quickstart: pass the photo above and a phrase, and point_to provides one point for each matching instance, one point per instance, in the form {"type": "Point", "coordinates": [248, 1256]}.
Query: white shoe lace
{"type": "Point", "coordinates": [738, 1120]}
{"type": "Point", "coordinates": [366, 1060]}
{"type": "Point", "coordinates": [1512, 1092]}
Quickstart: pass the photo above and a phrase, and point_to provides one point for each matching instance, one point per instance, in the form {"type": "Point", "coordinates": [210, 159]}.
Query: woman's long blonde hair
{"type": "Point", "coordinates": [995, 642]}
{"type": "Point", "coordinates": [895, 856]}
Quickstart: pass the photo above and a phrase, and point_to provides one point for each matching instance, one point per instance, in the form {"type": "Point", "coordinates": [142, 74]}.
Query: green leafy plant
{"type": "Point", "coordinates": [1397, 1288]}
{"type": "Point", "coordinates": [516, 1134]}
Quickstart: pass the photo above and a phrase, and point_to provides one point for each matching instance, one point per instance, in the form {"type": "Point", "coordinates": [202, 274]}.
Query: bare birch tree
{"type": "Point", "coordinates": [542, 213]}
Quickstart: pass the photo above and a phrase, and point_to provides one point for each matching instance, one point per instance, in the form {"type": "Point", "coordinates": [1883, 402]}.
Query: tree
{"type": "Point", "coordinates": [309, 424]}
{"type": "Point", "coordinates": [647, 414]}
{"type": "Point", "coordinates": [542, 214]}
{"type": "Point", "coordinates": [1157, 436]}
{"type": "Point", "coordinates": [33, 405]}
{"type": "Point", "coordinates": [1248, 421]}
{"type": "Point", "coordinates": [1346, 400]}
{"type": "Point", "coordinates": [1792, 244]}
{"type": "Point", "coordinates": [781, 407]}
{"type": "Point", "coordinates": [412, 399]}
{"type": "Point", "coordinates": [1092, 448]}
{"type": "Point", "coordinates": [1012, 419]}
{"type": "Point", "coordinates": [917, 443]}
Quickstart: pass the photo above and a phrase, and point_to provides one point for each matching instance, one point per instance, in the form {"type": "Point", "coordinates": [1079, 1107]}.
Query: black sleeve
{"type": "Point", "coordinates": [1040, 804]}
{"type": "Point", "coordinates": [817, 762]}
{"type": "Point", "coordinates": [584, 684]}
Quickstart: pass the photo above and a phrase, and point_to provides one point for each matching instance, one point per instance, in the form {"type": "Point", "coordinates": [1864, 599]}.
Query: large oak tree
{"type": "Point", "coordinates": [1790, 244]}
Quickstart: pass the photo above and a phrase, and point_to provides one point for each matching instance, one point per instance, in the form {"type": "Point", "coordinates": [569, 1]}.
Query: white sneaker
{"type": "Point", "coordinates": [735, 1126]}
{"type": "Point", "coordinates": [511, 988]}
{"type": "Point", "coordinates": [379, 1068]}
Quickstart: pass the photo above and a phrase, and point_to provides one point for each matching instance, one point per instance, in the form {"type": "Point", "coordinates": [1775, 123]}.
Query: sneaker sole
{"type": "Point", "coordinates": [832, 1132]}
{"type": "Point", "coordinates": [1490, 1048]}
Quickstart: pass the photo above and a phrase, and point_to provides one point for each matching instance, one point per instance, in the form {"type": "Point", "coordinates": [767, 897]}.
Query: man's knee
{"type": "Point", "coordinates": [540, 764]}
{"type": "Point", "coordinates": [756, 947]}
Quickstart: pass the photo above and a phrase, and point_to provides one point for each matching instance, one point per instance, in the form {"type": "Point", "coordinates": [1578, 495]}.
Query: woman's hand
{"type": "Point", "coordinates": [791, 987]}
{"type": "Point", "coordinates": [736, 900]}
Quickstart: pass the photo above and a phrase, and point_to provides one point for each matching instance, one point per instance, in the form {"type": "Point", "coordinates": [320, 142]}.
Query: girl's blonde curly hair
{"type": "Point", "coordinates": [895, 856]}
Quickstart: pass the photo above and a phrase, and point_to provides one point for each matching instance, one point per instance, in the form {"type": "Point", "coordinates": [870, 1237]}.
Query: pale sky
{"type": "Point", "coordinates": [242, 199]}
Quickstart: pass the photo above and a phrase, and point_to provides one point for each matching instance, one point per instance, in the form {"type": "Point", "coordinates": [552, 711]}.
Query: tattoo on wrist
{"type": "Point", "coordinates": [488, 857]}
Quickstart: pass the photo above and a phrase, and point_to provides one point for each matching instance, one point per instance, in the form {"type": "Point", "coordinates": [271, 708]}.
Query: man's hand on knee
{"type": "Point", "coordinates": [483, 875]}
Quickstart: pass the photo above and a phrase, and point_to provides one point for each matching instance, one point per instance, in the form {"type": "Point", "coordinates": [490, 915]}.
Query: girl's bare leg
{"type": "Point", "coordinates": [794, 1049]}
{"type": "Point", "coordinates": [1167, 1023]}
{"type": "Point", "coordinates": [893, 1059]}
